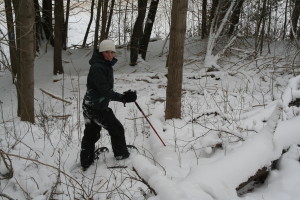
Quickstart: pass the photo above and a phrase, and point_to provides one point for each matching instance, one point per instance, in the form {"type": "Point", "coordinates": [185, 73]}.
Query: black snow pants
{"type": "Point", "coordinates": [94, 121]}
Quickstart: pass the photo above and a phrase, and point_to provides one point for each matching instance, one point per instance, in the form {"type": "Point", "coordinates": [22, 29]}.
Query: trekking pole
{"type": "Point", "coordinates": [137, 105]}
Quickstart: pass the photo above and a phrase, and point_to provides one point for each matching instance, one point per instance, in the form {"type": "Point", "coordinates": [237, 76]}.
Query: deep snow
{"type": "Point", "coordinates": [234, 122]}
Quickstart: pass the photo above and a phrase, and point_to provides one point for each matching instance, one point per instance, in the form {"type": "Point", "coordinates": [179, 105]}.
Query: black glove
{"type": "Point", "coordinates": [129, 96]}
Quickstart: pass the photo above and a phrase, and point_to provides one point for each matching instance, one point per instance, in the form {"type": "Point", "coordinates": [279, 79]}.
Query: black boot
{"type": "Point", "coordinates": [87, 157]}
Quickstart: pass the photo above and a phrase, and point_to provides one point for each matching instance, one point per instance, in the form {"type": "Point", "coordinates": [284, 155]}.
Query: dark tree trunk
{"type": "Point", "coordinates": [97, 25]}
{"type": "Point", "coordinates": [212, 12]}
{"type": "Point", "coordinates": [175, 59]}
{"type": "Point", "coordinates": [38, 25]}
{"type": "Point", "coordinates": [235, 17]}
{"type": "Point", "coordinates": [285, 20]}
{"type": "Point", "coordinates": [109, 18]}
{"type": "Point", "coordinates": [89, 25]}
{"type": "Point", "coordinates": [137, 32]}
{"type": "Point", "coordinates": [27, 50]}
{"type": "Point", "coordinates": [204, 19]}
{"type": "Point", "coordinates": [47, 20]}
{"type": "Point", "coordinates": [104, 20]}
{"type": "Point", "coordinates": [148, 28]}
{"type": "Point", "coordinates": [261, 28]}
{"type": "Point", "coordinates": [11, 38]}
{"type": "Point", "coordinates": [58, 37]}
{"type": "Point", "coordinates": [66, 23]}
{"type": "Point", "coordinates": [294, 19]}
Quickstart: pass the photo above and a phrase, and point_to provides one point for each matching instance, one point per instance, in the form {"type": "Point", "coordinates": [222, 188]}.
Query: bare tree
{"type": "Point", "coordinates": [58, 37]}
{"type": "Point", "coordinates": [137, 32]}
{"type": "Point", "coordinates": [235, 17]}
{"type": "Point", "coordinates": [216, 29]}
{"type": "Point", "coordinates": [104, 20]}
{"type": "Point", "coordinates": [148, 28]}
{"type": "Point", "coordinates": [65, 26]}
{"type": "Point", "coordinates": [294, 19]}
{"type": "Point", "coordinates": [204, 19]}
{"type": "Point", "coordinates": [111, 11]}
{"type": "Point", "coordinates": [175, 59]}
{"type": "Point", "coordinates": [27, 52]}
{"type": "Point", "coordinates": [89, 25]}
{"type": "Point", "coordinates": [38, 25]}
{"type": "Point", "coordinates": [47, 20]}
{"type": "Point", "coordinates": [97, 25]}
{"type": "Point", "coordinates": [11, 38]}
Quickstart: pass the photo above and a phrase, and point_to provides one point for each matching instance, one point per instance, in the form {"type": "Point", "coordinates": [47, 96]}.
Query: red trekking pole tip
{"type": "Point", "coordinates": [137, 105]}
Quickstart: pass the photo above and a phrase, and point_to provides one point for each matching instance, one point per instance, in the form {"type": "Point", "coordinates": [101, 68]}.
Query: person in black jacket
{"type": "Point", "coordinates": [97, 114]}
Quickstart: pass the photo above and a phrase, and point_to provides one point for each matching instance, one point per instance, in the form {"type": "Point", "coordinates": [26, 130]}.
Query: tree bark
{"type": "Point", "coordinates": [65, 27]}
{"type": "Point", "coordinates": [294, 19]}
{"type": "Point", "coordinates": [137, 32]}
{"type": "Point", "coordinates": [285, 20]}
{"type": "Point", "coordinates": [58, 37]}
{"type": "Point", "coordinates": [16, 5]}
{"type": "Point", "coordinates": [111, 11]}
{"type": "Point", "coordinates": [27, 49]}
{"type": "Point", "coordinates": [38, 25]}
{"type": "Point", "coordinates": [97, 25]}
{"type": "Point", "coordinates": [148, 28]}
{"type": "Point", "coordinates": [89, 25]}
{"type": "Point", "coordinates": [235, 17]}
{"type": "Point", "coordinates": [104, 20]}
{"type": "Point", "coordinates": [204, 19]}
{"type": "Point", "coordinates": [175, 59]}
{"type": "Point", "coordinates": [212, 12]}
{"type": "Point", "coordinates": [47, 20]}
{"type": "Point", "coordinates": [11, 38]}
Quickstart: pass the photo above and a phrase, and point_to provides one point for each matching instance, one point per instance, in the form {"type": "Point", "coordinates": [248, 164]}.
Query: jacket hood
{"type": "Point", "coordinates": [97, 57]}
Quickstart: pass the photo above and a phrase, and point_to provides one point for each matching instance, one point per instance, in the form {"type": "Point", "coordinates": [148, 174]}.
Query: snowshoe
{"type": "Point", "coordinates": [131, 147]}
{"type": "Point", "coordinates": [100, 151]}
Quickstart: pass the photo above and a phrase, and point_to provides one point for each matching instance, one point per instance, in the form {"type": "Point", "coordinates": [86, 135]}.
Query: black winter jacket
{"type": "Point", "coordinates": [100, 83]}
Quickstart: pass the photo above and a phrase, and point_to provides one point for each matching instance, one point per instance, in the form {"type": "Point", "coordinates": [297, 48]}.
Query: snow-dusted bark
{"type": "Point", "coordinates": [215, 32]}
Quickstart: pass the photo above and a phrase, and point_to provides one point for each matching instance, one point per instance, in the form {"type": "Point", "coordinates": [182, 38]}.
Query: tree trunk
{"type": "Point", "coordinates": [294, 19]}
{"type": "Point", "coordinates": [89, 25]}
{"type": "Point", "coordinates": [16, 5]}
{"type": "Point", "coordinates": [262, 31]}
{"type": "Point", "coordinates": [97, 25]}
{"type": "Point", "coordinates": [38, 25]}
{"type": "Point", "coordinates": [65, 29]}
{"type": "Point", "coordinates": [212, 12]}
{"type": "Point", "coordinates": [235, 17]}
{"type": "Point", "coordinates": [109, 18]}
{"type": "Point", "coordinates": [175, 59]}
{"type": "Point", "coordinates": [148, 28]}
{"type": "Point", "coordinates": [11, 38]}
{"type": "Point", "coordinates": [104, 20]}
{"type": "Point", "coordinates": [47, 20]}
{"type": "Point", "coordinates": [204, 19]}
{"type": "Point", "coordinates": [216, 29]}
{"type": "Point", "coordinates": [137, 32]}
{"type": "Point", "coordinates": [27, 50]}
{"type": "Point", "coordinates": [58, 37]}
{"type": "Point", "coordinates": [285, 20]}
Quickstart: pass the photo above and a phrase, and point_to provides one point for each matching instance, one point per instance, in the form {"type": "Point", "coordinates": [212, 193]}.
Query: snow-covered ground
{"type": "Point", "coordinates": [234, 122]}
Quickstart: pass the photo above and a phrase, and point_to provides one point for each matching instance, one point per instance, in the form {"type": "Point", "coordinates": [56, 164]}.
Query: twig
{"type": "Point", "coordinates": [47, 165]}
{"type": "Point", "coordinates": [8, 166]}
{"type": "Point", "coordinates": [55, 97]}
{"type": "Point", "coordinates": [6, 196]}
{"type": "Point", "coordinates": [145, 182]}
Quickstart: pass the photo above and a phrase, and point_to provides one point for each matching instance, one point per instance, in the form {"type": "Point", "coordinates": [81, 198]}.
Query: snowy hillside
{"type": "Point", "coordinates": [234, 122]}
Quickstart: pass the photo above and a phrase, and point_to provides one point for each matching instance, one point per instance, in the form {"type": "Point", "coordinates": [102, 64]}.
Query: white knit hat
{"type": "Point", "coordinates": [107, 45]}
